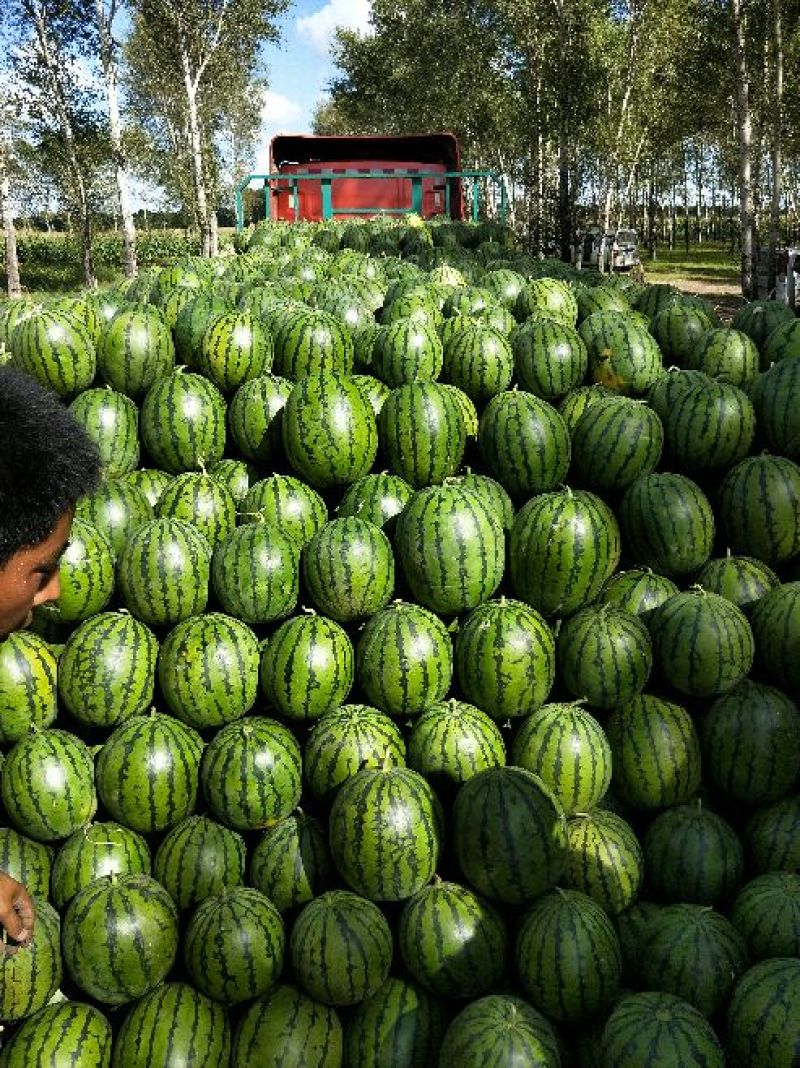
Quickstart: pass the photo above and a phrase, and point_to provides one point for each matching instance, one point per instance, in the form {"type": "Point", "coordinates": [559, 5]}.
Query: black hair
{"type": "Point", "coordinates": [47, 461]}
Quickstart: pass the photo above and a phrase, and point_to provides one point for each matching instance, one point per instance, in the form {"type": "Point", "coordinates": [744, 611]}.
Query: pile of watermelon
{"type": "Point", "coordinates": [422, 689]}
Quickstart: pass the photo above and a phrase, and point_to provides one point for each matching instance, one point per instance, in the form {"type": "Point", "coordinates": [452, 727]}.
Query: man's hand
{"type": "Point", "coordinates": [16, 912]}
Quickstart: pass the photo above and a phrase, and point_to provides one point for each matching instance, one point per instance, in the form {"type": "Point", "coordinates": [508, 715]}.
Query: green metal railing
{"type": "Point", "coordinates": [292, 180]}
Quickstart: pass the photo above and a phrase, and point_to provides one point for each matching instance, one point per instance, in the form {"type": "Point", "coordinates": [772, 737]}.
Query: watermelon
{"type": "Point", "coordinates": [251, 773]}
{"type": "Point", "coordinates": [550, 296]}
{"type": "Point", "coordinates": [341, 948]}
{"type": "Point", "coordinates": [766, 913]}
{"type": "Point", "coordinates": [163, 572]}
{"type": "Point", "coordinates": [377, 498]}
{"type": "Point", "coordinates": [564, 546]}
{"type": "Point", "coordinates": [85, 573]}
{"type": "Point", "coordinates": [96, 851]}
{"type": "Point", "coordinates": [572, 406]}
{"type": "Point", "coordinates": [399, 1025]}
{"type": "Point", "coordinates": [406, 350]}
{"type": "Point", "coordinates": [677, 329]}
{"type": "Point", "coordinates": [234, 946]}
{"type": "Point", "coordinates": [111, 420]}
{"type": "Point", "coordinates": [567, 749]}
{"type": "Point", "coordinates": [422, 432]}
{"type": "Point", "coordinates": [524, 443]}
{"type": "Point", "coordinates": [623, 356]}
{"type": "Point", "coordinates": [208, 670]}
{"type": "Point", "coordinates": [759, 508]}
{"type": "Point", "coordinates": [655, 297]}
{"type": "Point", "coordinates": [55, 349]}
{"type": "Point", "coordinates": [203, 501]}
{"type": "Point", "coordinates": [291, 864]}
{"type": "Point", "coordinates": [235, 348]}
{"type": "Point", "coordinates": [639, 591]}
{"type": "Point", "coordinates": [60, 1036]}
{"type": "Point", "coordinates": [192, 321]}
{"type": "Point", "coordinates": [385, 830]}
{"type": "Point", "coordinates": [199, 859]}
{"type": "Point", "coordinates": [235, 475]}
{"type": "Point", "coordinates": [150, 481]}
{"type": "Point", "coordinates": [26, 861]}
{"type": "Point", "coordinates": [725, 354]}
{"type": "Point", "coordinates": [479, 361]}
{"type": "Point", "coordinates": [782, 343]}
{"type": "Point", "coordinates": [120, 937]}
{"type": "Point", "coordinates": [173, 1025]}
{"type": "Point", "coordinates": [404, 659]}
{"type": "Point", "coordinates": [604, 860]}
{"type": "Point", "coordinates": [656, 752]}
{"type": "Point", "coordinates": [451, 549]}
{"type": "Point", "coordinates": [510, 834]}
{"type": "Point", "coordinates": [568, 956]}
{"type": "Point", "coordinates": [287, 1028]}
{"type": "Point", "coordinates": [27, 685]}
{"type": "Point", "coordinates": [711, 427]}
{"type": "Point", "coordinates": [654, 1028]}
{"type": "Point", "coordinates": [452, 942]}
{"type": "Point", "coordinates": [550, 357]}
{"type": "Point", "coordinates": [30, 976]}
{"type": "Point", "coordinates": [614, 442]}
{"type": "Point", "coordinates": [763, 1015]}
{"type": "Point", "coordinates": [288, 503]}
{"type": "Point", "coordinates": [776, 626]}
{"type": "Point", "coordinates": [743, 580]}
{"type": "Point", "coordinates": [604, 655]}
{"type": "Point", "coordinates": [600, 297]}
{"type": "Point", "coordinates": [135, 350]}
{"type": "Point", "coordinates": [345, 740]}
{"type": "Point", "coordinates": [312, 342]}
{"type": "Point", "coordinates": [48, 785]}
{"type": "Point", "coordinates": [693, 855]}
{"type": "Point", "coordinates": [255, 573]}
{"type": "Point", "coordinates": [182, 422]}
{"type": "Point", "coordinates": [307, 667]}
{"type": "Point", "coordinates": [771, 838]}
{"type": "Point", "coordinates": [348, 569]}
{"type": "Point", "coordinates": [254, 417]}
{"type": "Point", "coordinates": [500, 1029]}
{"type": "Point", "coordinates": [667, 390]}
{"type": "Point", "coordinates": [759, 318]}
{"type": "Point", "coordinates": [116, 508]}
{"type": "Point", "coordinates": [452, 741]}
{"type": "Point", "coordinates": [667, 523]}
{"type": "Point", "coordinates": [147, 772]}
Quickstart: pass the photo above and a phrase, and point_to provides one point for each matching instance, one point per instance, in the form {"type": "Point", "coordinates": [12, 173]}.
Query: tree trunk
{"type": "Point", "coordinates": [115, 130]}
{"type": "Point", "coordinates": [745, 134]}
{"type": "Point", "coordinates": [12, 263]}
{"type": "Point", "coordinates": [196, 146]}
{"type": "Point", "coordinates": [564, 212]}
{"type": "Point", "coordinates": [775, 204]}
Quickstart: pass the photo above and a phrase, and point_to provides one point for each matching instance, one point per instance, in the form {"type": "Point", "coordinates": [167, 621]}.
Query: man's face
{"type": "Point", "coordinates": [30, 578]}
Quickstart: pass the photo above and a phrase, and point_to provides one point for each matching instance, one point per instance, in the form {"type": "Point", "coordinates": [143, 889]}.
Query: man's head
{"type": "Point", "coordinates": [46, 463]}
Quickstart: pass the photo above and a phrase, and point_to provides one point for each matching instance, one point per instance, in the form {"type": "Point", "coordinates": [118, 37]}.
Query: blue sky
{"type": "Point", "coordinates": [300, 66]}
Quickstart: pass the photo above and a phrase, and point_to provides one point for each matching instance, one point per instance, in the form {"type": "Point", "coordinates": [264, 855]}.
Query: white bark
{"type": "Point", "coordinates": [745, 136]}
{"type": "Point", "coordinates": [12, 263]}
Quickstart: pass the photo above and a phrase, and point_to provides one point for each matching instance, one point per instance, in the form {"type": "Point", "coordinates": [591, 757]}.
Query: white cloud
{"type": "Point", "coordinates": [279, 110]}
{"type": "Point", "coordinates": [318, 29]}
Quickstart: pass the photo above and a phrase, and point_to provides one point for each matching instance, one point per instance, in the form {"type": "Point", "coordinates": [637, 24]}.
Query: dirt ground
{"type": "Point", "coordinates": [724, 297]}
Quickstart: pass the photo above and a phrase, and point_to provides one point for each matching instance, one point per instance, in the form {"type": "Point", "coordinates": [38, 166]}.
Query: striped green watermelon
{"type": "Point", "coordinates": [614, 442]}
{"type": "Point", "coordinates": [631, 926]}
{"type": "Point", "coordinates": [524, 443]}
{"type": "Point", "coordinates": [292, 864]}
{"type": "Point", "coordinates": [147, 772]}
{"type": "Point", "coordinates": [135, 350]}
{"type": "Point", "coordinates": [404, 659]}
{"type": "Point", "coordinates": [782, 343]}
{"type": "Point", "coordinates": [751, 743]}
{"type": "Point", "coordinates": [670, 387]}
{"type": "Point", "coordinates": [341, 948]}
{"type": "Point", "coordinates": [377, 498]}
{"type": "Point", "coordinates": [725, 354]}
{"type": "Point", "coordinates": [693, 952]}
{"type": "Point", "coordinates": [173, 300]}
{"type": "Point", "coordinates": [329, 430]}
{"type": "Point", "coordinates": [469, 300]}
{"type": "Point", "coordinates": [639, 591]}
{"type": "Point", "coordinates": [406, 350]}
{"type": "Point", "coordinates": [234, 946]}
{"type": "Point", "coordinates": [254, 417]}
{"type": "Point", "coordinates": [742, 580]}
{"type": "Point", "coordinates": [177, 276]}
{"type": "Point", "coordinates": [199, 859]}
{"type": "Point", "coordinates": [150, 481]}
{"type": "Point", "coordinates": [677, 329]}
{"type": "Point", "coordinates": [604, 655]}
{"type": "Point", "coordinates": [478, 360]}
{"type": "Point", "coordinates": [345, 740]}
{"type": "Point", "coordinates": [711, 427]}
{"type": "Point", "coordinates": [763, 1019]}
{"type": "Point", "coordinates": [777, 408]}
{"type": "Point", "coordinates": [702, 643]}
{"type": "Point", "coordinates": [451, 548]}
{"type": "Point", "coordinates": [119, 937]}
{"type": "Point", "coordinates": [766, 913]}
{"type": "Point", "coordinates": [667, 523]}
{"type": "Point", "coordinates": [106, 672]}
{"type": "Point", "coordinates": [26, 861]}
{"type": "Point", "coordinates": [655, 297]}
{"type": "Point", "coordinates": [163, 572]}
{"type": "Point", "coordinates": [623, 356]}
{"type": "Point", "coordinates": [568, 957]}
{"type": "Point", "coordinates": [451, 741]}
{"type": "Point", "coordinates": [551, 296]}
{"type": "Point", "coordinates": [251, 773]}
{"type": "Point", "coordinates": [235, 348]}
{"type": "Point", "coordinates": [493, 494]}
{"type": "Point", "coordinates": [772, 837]}
{"type": "Point", "coordinates": [500, 1029]}
{"type": "Point", "coordinates": [287, 1028]}
{"type": "Point", "coordinates": [655, 751]}
{"type": "Point", "coordinates": [48, 785]}
{"type": "Point", "coordinates": [203, 501]}
{"type": "Point", "coordinates": [60, 1035]}
{"type": "Point", "coordinates": [759, 318]}
{"type": "Point", "coordinates": [208, 670]}
{"type": "Point", "coordinates": [30, 977]}
{"type": "Point", "coordinates": [759, 508]}
{"type": "Point", "coordinates": [572, 406]}
{"type": "Point", "coordinates": [373, 391]}
{"type": "Point", "coordinates": [96, 851]}
{"type": "Point", "coordinates": [567, 749]}
{"type": "Point", "coordinates": [192, 321]}
{"type": "Point", "coordinates": [564, 546]}
{"type": "Point", "coordinates": [310, 343]}
{"type": "Point", "coordinates": [693, 855]}
{"type": "Point", "coordinates": [288, 503]}
{"type": "Point", "coordinates": [776, 629]}
{"type": "Point", "coordinates": [600, 297]}
{"type": "Point", "coordinates": [111, 420]}
{"type": "Point", "coordinates": [452, 942]}
{"type": "Point", "coordinates": [348, 569]}
{"type": "Point", "coordinates": [510, 834]}
{"type": "Point", "coordinates": [604, 860]}
{"type": "Point", "coordinates": [182, 422]}
{"type": "Point", "coordinates": [385, 833]}
{"type": "Point", "coordinates": [422, 432]}
{"type": "Point", "coordinates": [550, 358]}
{"type": "Point", "coordinates": [399, 1025]}
{"type": "Point", "coordinates": [27, 685]}
{"type": "Point", "coordinates": [307, 667]}
{"type": "Point", "coordinates": [173, 1025]}
{"type": "Point", "coordinates": [235, 475]}
{"type": "Point", "coordinates": [55, 349]}
{"type": "Point", "coordinates": [651, 1029]}
{"type": "Point", "coordinates": [255, 573]}
{"type": "Point", "coordinates": [505, 284]}
{"type": "Point", "coordinates": [117, 508]}
{"type": "Point", "coordinates": [85, 573]}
